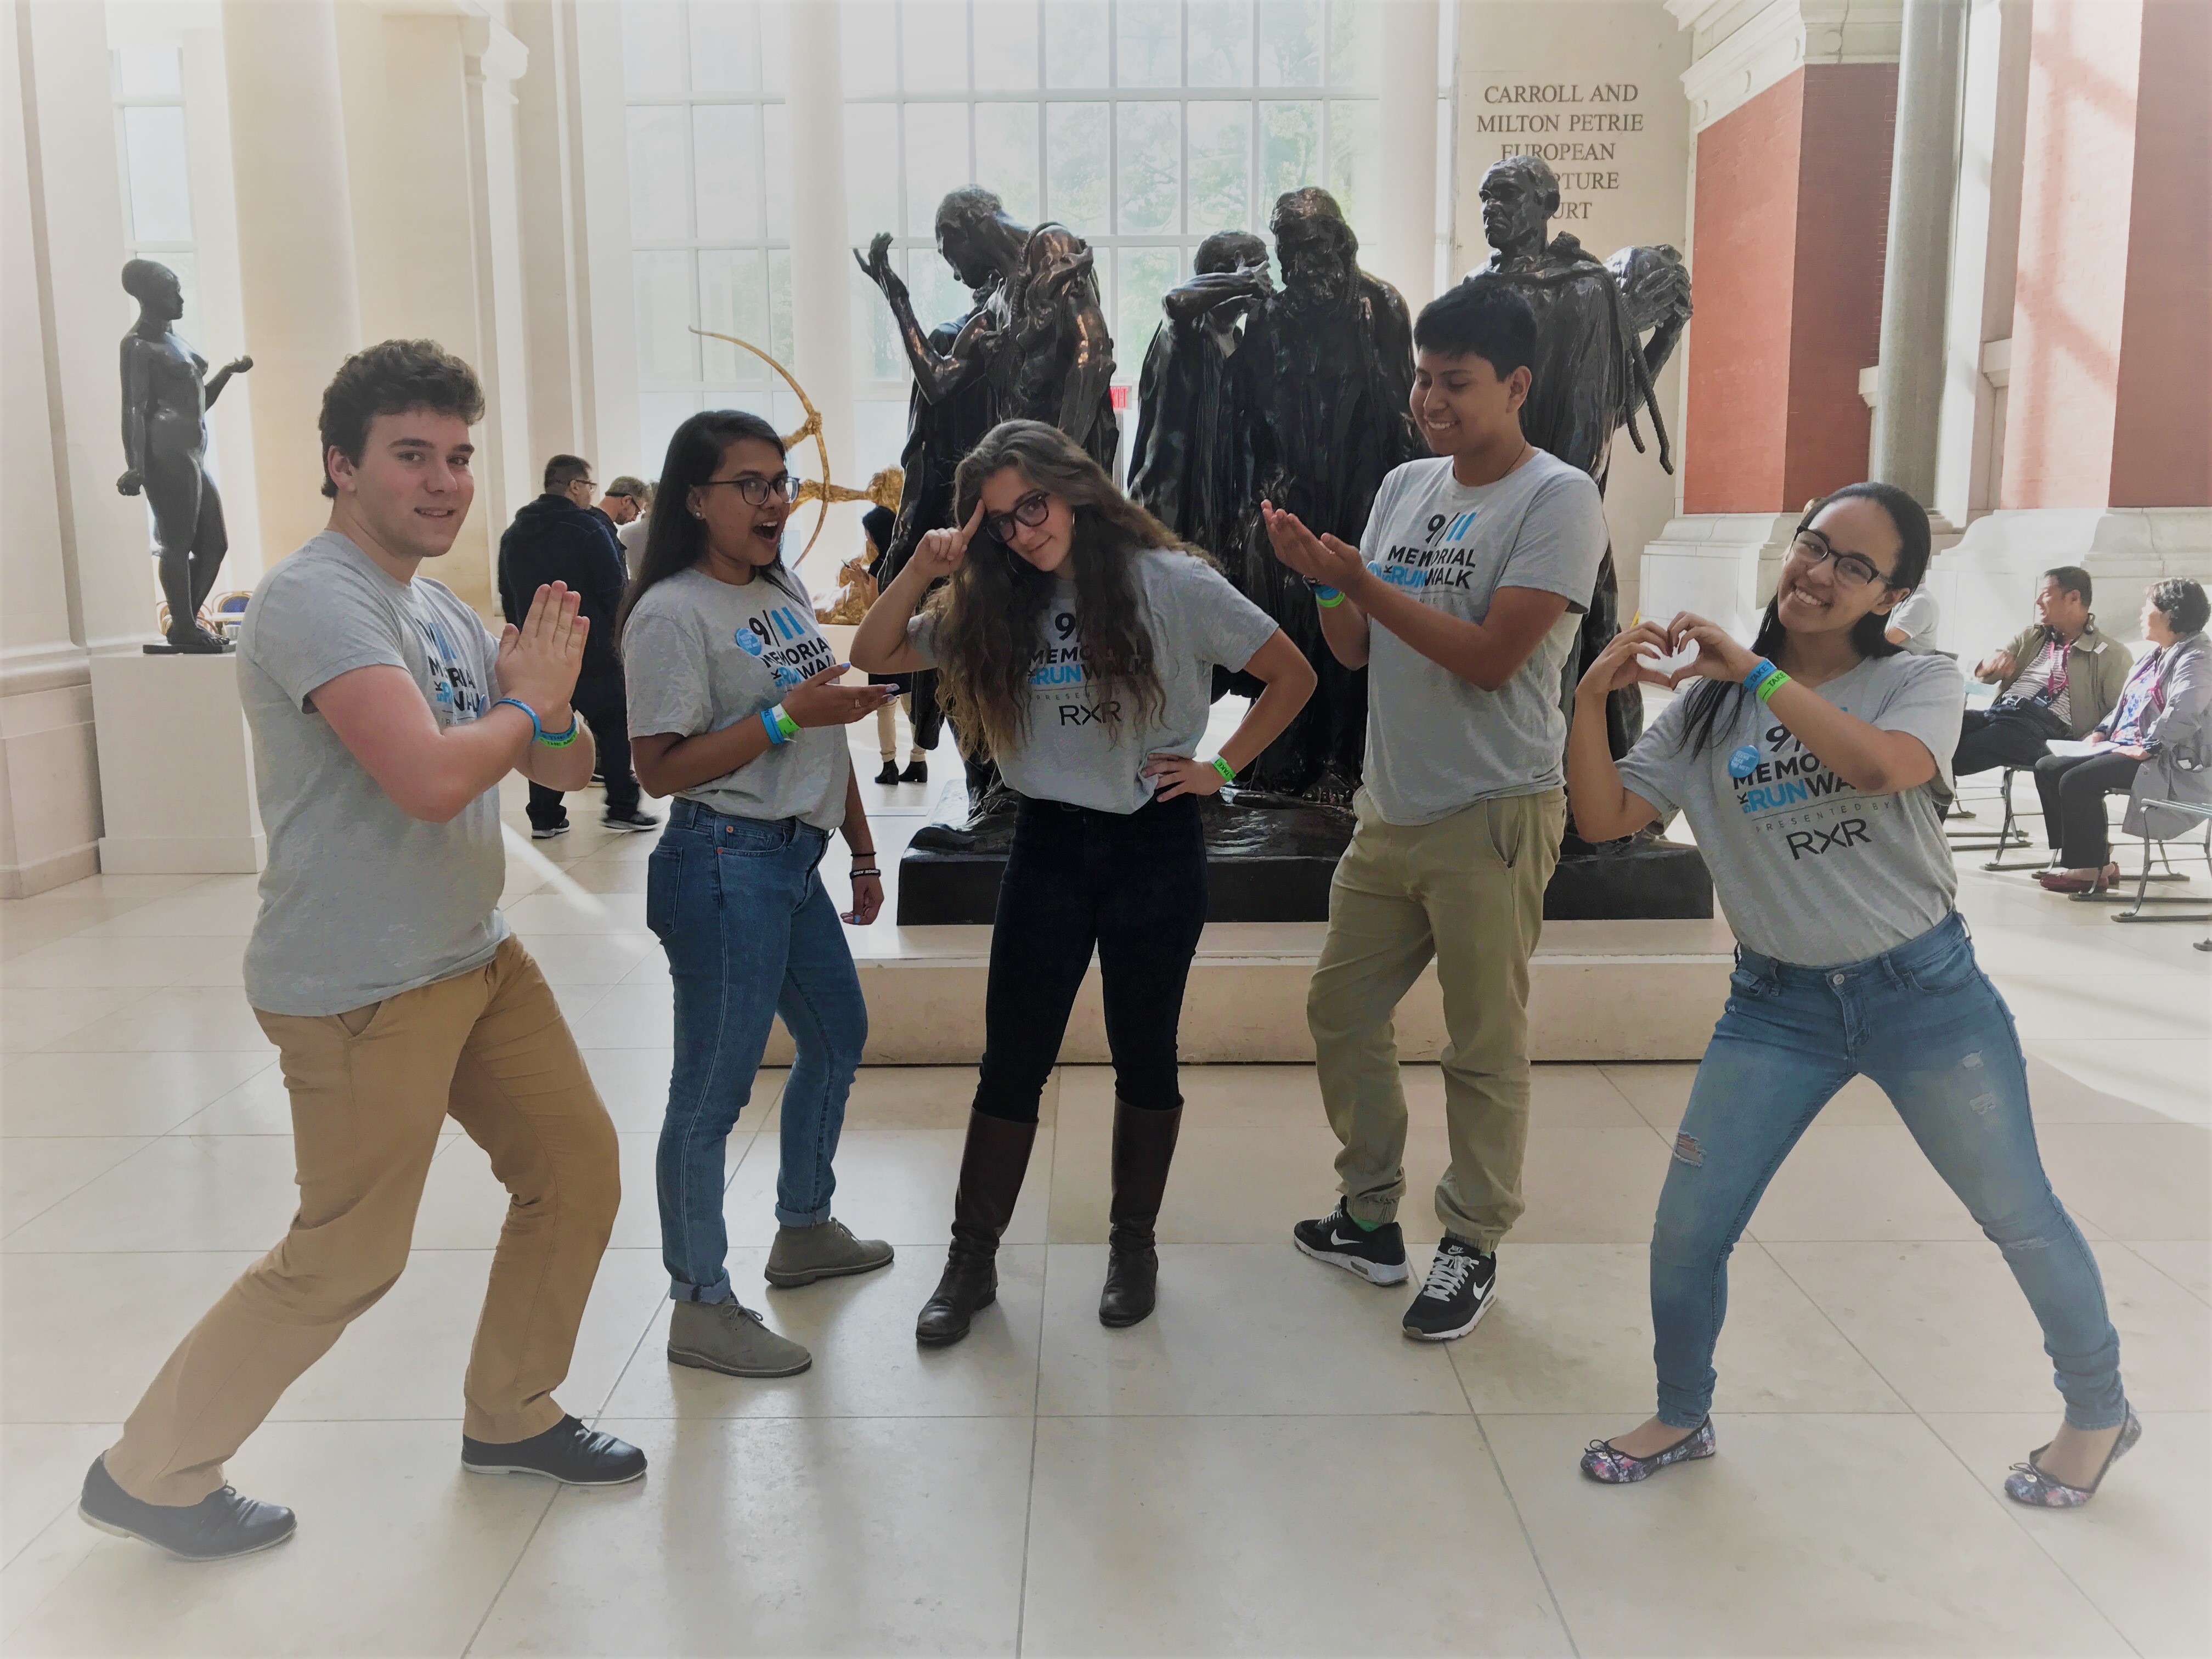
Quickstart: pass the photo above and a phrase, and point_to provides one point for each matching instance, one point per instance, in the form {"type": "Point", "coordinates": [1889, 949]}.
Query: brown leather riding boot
{"type": "Point", "coordinates": [992, 1165]}
{"type": "Point", "coordinates": [1143, 1146]}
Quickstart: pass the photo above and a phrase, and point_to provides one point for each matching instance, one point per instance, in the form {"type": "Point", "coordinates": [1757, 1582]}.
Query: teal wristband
{"type": "Point", "coordinates": [1228, 772]}
{"type": "Point", "coordinates": [1760, 672]}
{"type": "Point", "coordinates": [538, 732]}
{"type": "Point", "coordinates": [1328, 598]}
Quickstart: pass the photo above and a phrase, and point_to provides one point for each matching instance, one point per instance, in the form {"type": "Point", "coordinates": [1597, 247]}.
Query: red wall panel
{"type": "Point", "coordinates": [1743, 253]}
{"type": "Point", "coordinates": [2162, 429]}
{"type": "Point", "coordinates": [1842, 231]}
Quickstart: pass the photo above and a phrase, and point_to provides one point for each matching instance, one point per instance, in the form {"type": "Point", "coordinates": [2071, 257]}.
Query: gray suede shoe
{"type": "Point", "coordinates": [730, 1338]}
{"type": "Point", "coordinates": [802, 1254]}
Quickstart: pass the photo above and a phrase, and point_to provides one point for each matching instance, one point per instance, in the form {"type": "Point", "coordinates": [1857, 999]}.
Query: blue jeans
{"type": "Point", "coordinates": [1925, 1024]}
{"type": "Point", "coordinates": [751, 933]}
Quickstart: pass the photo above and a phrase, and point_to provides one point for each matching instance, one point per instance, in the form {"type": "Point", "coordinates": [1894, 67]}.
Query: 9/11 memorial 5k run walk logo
{"type": "Point", "coordinates": [1787, 791]}
{"type": "Point", "coordinates": [786, 644]}
{"type": "Point", "coordinates": [1445, 561]}
{"type": "Point", "coordinates": [1060, 673]}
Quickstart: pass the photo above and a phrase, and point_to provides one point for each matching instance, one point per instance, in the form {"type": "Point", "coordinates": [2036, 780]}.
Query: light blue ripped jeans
{"type": "Point", "coordinates": [1926, 1024]}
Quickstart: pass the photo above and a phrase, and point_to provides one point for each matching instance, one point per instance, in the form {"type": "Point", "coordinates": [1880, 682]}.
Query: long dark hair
{"type": "Point", "coordinates": [1711, 701]}
{"type": "Point", "coordinates": [991, 612]}
{"type": "Point", "coordinates": [675, 538]}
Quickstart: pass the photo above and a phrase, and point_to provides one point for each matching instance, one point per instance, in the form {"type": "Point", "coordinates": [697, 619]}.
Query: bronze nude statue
{"type": "Point", "coordinates": [1035, 347]}
{"type": "Point", "coordinates": [1593, 369]}
{"type": "Point", "coordinates": [166, 392]}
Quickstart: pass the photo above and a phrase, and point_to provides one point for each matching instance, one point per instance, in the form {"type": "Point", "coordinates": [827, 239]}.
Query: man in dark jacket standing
{"type": "Point", "coordinates": [560, 537]}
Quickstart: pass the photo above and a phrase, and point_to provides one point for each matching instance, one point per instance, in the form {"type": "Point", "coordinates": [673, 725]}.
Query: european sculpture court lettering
{"type": "Point", "coordinates": [1589, 120]}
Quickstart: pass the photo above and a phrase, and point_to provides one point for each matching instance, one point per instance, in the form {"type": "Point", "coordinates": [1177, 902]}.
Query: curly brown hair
{"type": "Point", "coordinates": [991, 615]}
{"type": "Point", "coordinates": [395, 377]}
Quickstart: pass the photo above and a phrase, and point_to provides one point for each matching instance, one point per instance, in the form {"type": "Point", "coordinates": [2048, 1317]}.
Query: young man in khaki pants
{"type": "Point", "coordinates": [1460, 603]}
{"type": "Point", "coordinates": [384, 716]}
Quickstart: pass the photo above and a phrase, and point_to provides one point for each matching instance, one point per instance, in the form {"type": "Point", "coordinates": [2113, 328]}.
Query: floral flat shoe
{"type": "Point", "coordinates": [2028, 1484]}
{"type": "Point", "coordinates": [1603, 1463]}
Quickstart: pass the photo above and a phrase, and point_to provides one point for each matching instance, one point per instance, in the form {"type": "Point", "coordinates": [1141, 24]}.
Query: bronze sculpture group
{"type": "Point", "coordinates": [1294, 392]}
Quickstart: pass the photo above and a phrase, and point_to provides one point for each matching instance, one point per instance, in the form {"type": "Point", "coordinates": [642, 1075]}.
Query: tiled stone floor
{"type": "Point", "coordinates": [1266, 1467]}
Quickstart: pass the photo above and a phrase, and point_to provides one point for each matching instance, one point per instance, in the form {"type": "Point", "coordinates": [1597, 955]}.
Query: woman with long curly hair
{"type": "Point", "coordinates": [1076, 640]}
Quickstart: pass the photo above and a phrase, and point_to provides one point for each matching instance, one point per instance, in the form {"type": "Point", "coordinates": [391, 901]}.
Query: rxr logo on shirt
{"type": "Point", "coordinates": [785, 645]}
{"type": "Point", "coordinates": [1787, 789]}
{"type": "Point", "coordinates": [455, 696]}
{"type": "Point", "coordinates": [1443, 560]}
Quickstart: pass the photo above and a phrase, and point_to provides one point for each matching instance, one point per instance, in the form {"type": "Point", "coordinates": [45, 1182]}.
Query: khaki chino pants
{"type": "Point", "coordinates": [1468, 892]}
{"type": "Point", "coordinates": [369, 1090]}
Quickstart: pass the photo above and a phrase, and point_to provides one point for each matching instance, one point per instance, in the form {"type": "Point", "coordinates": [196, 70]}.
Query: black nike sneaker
{"type": "Point", "coordinates": [1462, 1284]}
{"type": "Point", "coordinates": [1378, 1257]}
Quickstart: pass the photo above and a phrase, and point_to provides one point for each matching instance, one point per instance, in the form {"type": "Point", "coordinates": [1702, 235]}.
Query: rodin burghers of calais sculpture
{"type": "Point", "coordinates": [166, 392]}
{"type": "Point", "coordinates": [1312, 411]}
{"type": "Point", "coordinates": [1594, 369]}
{"type": "Point", "coordinates": [1035, 347]}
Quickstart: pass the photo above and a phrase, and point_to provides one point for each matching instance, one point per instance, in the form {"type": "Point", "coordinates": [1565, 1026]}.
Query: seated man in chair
{"type": "Point", "coordinates": [2055, 680]}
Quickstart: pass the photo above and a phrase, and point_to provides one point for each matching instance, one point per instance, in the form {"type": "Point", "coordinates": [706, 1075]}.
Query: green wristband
{"type": "Point", "coordinates": [784, 723]}
{"type": "Point", "coordinates": [1328, 598]}
{"type": "Point", "coordinates": [1228, 772]}
{"type": "Point", "coordinates": [1771, 684]}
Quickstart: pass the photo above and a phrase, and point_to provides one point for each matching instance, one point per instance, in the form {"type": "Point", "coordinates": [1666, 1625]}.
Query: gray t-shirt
{"type": "Point", "coordinates": [1809, 870]}
{"type": "Point", "coordinates": [1438, 743]}
{"type": "Point", "coordinates": [1072, 750]}
{"type": "Point", "coordinates": [360, 902]}
{"type": "Point", "coordinates": [700, 655]}
{"type": "Point", "coordinates": [1916, 616]}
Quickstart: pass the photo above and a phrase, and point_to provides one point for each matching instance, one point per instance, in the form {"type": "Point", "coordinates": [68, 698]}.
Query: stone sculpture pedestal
{"type": "Point", "coordinates": [176, 766]}
{"type": "Point", "coordinates": [1269, 860]}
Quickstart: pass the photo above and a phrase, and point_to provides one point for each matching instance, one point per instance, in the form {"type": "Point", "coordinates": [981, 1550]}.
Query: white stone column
{"type": "Point", "coordinates": [1917, 266]}
{"type": "Point", "coordinates": [49, 773]}
{"type": "Point", "coordinates": [1402, 247]}
{"type": "Point", "coordinates": [296, 244]}
{"type": "Point", "coordinates": [75, 226]}
{"type": "Point", "coordinates": [821, 284]}
{"type": "Point", "coordinates": [556, 287]}
{"type": "Point", "coordinates": [219, 331]}
{"type": "Point", "coordinates": [495, 59]}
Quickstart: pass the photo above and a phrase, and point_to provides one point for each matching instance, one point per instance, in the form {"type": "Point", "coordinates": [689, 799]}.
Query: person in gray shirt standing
{"type": "Point", "coordinates": [384, 715]}
{"type": "Point", "coordinates": [1461, 602]}
{"type": "Point", "coordinates": [1812, 767]}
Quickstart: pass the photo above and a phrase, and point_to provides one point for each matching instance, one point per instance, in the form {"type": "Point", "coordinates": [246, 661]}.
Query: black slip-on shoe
{"type": "Point", "coordinates": [567, 1452]}
{"type": "Point", "coordinates": [221, 1525]}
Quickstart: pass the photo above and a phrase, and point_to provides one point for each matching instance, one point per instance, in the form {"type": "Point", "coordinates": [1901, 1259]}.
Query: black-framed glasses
{"type": "Point", "coordinates": [758, 490]}
{"type": "Point", "coordinates": [1853, 569]}
{"type": "Point", "coordinates": [1033, 509]}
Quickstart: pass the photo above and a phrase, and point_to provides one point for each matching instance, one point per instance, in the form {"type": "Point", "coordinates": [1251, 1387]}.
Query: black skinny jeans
{"type": "Point", "coordinates": [2074, 787]}
{"type": "Point", "coordinates": [1132, 885]}
{"type": "Point", "coordinates": [603, 707]}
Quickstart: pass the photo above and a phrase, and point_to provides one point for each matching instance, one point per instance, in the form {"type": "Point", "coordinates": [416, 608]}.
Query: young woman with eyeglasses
{"type": "Point", "coordinates": [1076, 640]}
{"type": "Point", "coordinates": [1812, 767]}
{"type": "Point", "coordinates": [734, 710]}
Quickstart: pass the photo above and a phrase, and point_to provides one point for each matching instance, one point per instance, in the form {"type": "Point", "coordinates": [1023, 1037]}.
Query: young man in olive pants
{"type": "Point", "coordinates": [384, 716]}
{"type": "Point", "coordinates": [1460, 602]}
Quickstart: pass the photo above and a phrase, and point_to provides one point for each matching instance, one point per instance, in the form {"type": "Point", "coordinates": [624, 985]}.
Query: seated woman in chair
{"type": "Point", "coordinates": [2154, 745]}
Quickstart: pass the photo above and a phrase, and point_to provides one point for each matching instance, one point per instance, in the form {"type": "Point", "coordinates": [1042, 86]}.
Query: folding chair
{"type": "Point", "coordinates": [2156, 846]}
{"type": "Point", "coordinates": [1999, 841]}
